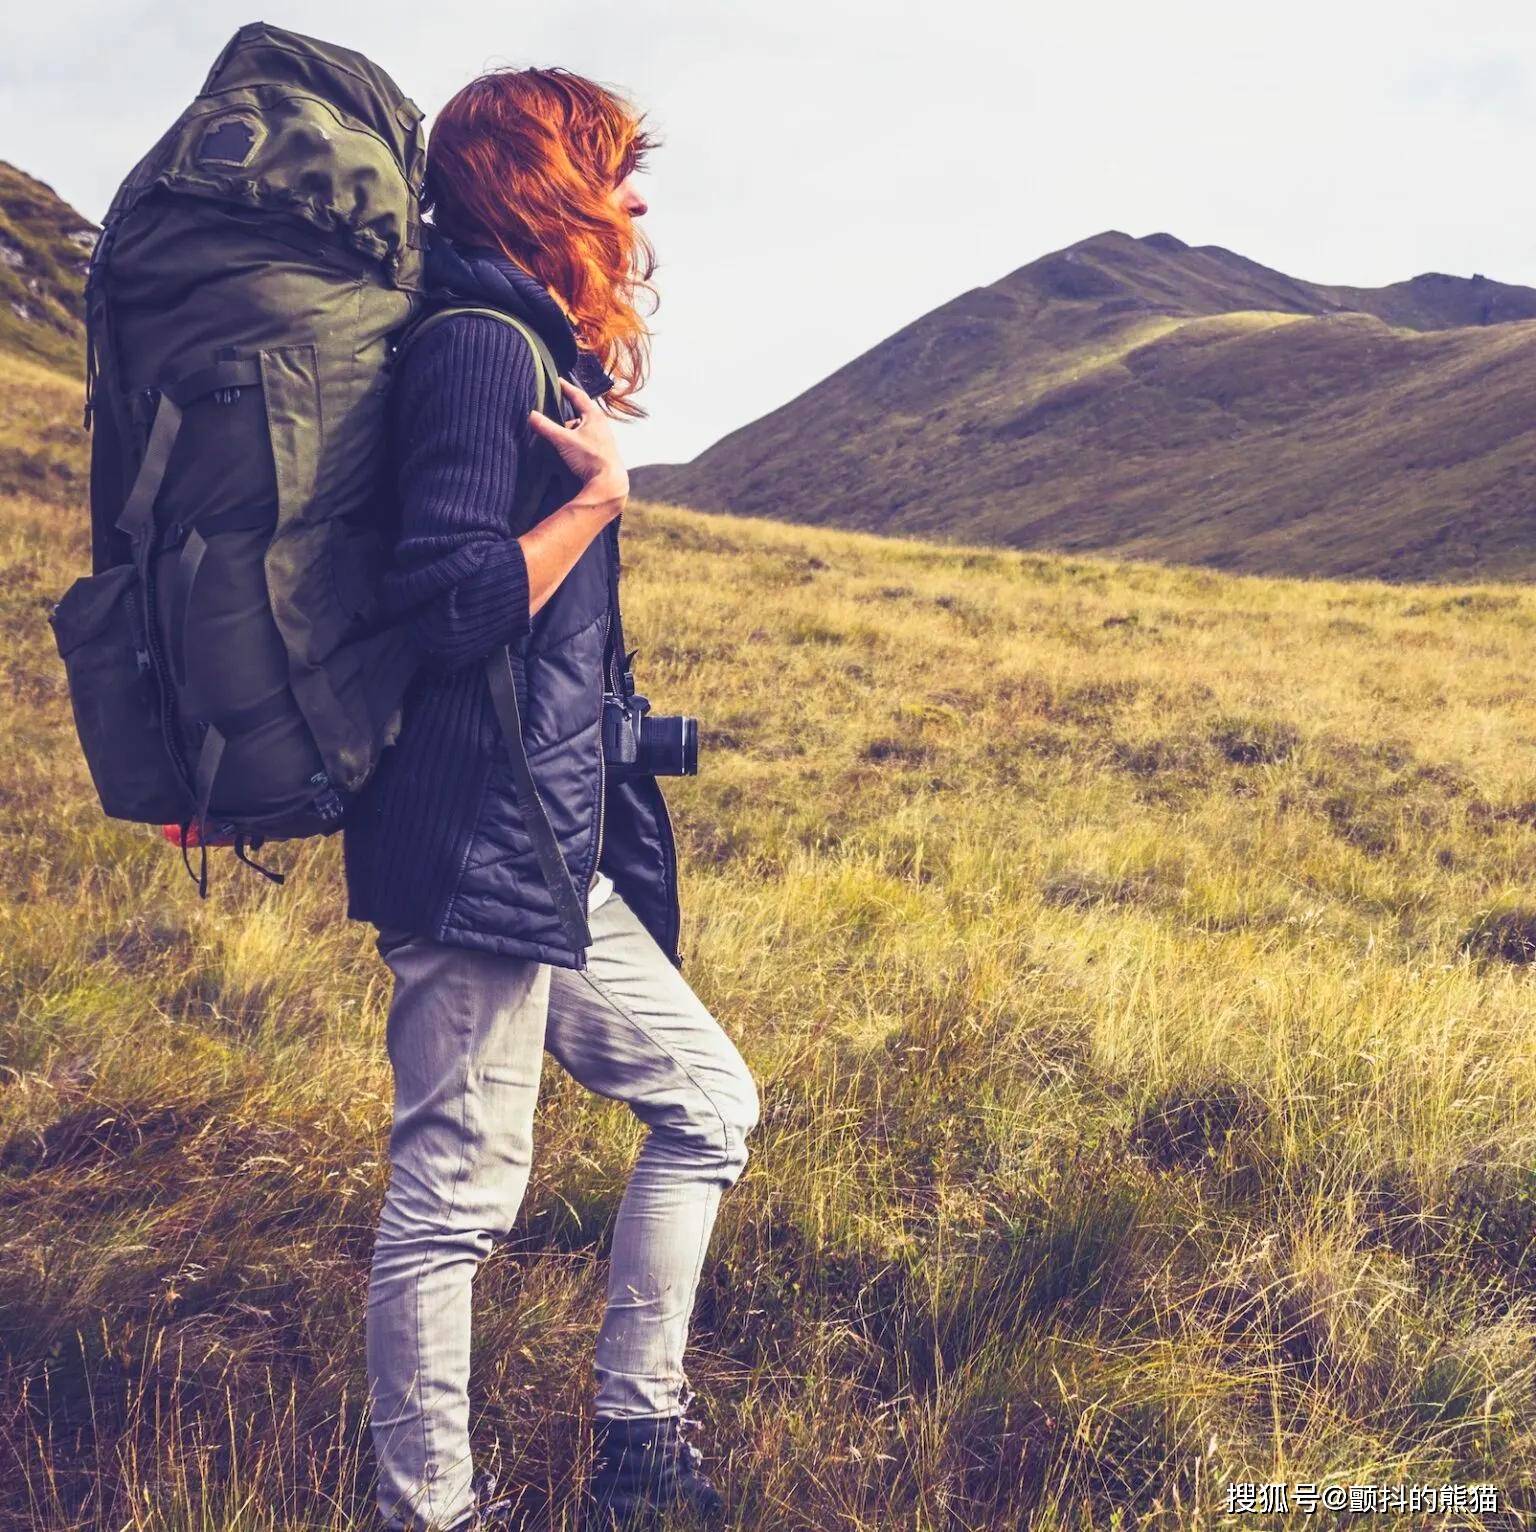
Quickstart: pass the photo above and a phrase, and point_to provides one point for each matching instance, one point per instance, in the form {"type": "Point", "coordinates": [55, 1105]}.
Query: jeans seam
{"type": "Point", "coordinates": [721, 1159]}
{"type": "Point", "coordinates": [429, 1466]}
{"type": "Point", "coordinates": [637, 1025]}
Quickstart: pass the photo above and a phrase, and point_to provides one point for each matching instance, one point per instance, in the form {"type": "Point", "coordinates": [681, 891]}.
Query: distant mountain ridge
{"type": "Point", "coordinates": [1208, 279]}
{"type": "Point", "coordinates": [1156, 399]}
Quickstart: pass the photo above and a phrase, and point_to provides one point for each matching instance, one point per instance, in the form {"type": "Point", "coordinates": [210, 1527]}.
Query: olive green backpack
{"type": "Point", "coordinates": [227, 664]}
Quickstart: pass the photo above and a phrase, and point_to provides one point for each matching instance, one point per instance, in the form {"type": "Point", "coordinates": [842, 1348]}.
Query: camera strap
{"type": "Point", "coordinates": [500, 666]}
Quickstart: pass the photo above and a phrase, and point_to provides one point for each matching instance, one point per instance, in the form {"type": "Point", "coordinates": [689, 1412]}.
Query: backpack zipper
{"type": "Point", "coordinates": [169, 731]}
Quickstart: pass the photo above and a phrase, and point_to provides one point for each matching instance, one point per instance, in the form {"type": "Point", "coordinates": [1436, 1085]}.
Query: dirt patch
{"type": "Point", "coordinates": [1188, 1128]}
{"type": "Point", "coordinates": [97, 1134]}
{"type": "Point", "coordinates": [1505, 936]}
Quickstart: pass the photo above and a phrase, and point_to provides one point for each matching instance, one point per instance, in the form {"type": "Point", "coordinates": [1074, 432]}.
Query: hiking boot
{"type": "Point", "coordinates": [644, 1471]}
{"type": "Point", "coordinates": [492, 1513]}
{"type": "Point", "coordinates": [489, 1513]}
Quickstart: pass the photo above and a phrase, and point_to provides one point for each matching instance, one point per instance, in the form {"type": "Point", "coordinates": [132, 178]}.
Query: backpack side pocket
{"type": "Point", "coordinates": [101, 636]}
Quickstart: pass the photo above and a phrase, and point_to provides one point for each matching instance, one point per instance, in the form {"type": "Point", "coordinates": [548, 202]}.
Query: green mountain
{"type": "Point", "coordinates": [1147, 398]}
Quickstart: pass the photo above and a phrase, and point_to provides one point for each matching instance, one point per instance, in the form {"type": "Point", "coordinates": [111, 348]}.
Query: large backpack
{"type": "Point", "coordinates": [227, 665]}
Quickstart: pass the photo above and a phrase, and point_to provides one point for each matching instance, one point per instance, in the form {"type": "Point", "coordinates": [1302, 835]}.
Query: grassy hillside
{"type": "Point", "coordinates": [45, 248]}
{"type": "Point", "coordinates": [1137, 964]}
{"type": "Point", "coordinates": [1142, 397]}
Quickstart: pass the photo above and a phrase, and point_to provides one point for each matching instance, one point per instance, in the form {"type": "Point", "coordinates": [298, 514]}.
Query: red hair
{"type": "Point", "coordinates": [524, 160]}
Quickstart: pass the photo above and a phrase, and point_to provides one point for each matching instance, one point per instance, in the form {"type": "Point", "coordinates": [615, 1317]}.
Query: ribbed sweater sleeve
{"type": "Point", "coordinates": [460, 406]}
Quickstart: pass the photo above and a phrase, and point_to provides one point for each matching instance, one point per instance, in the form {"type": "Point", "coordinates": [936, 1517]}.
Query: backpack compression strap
{"type": "Point", "coordinates": [137, 523]}
{"type": "Point", "coordinates": [570, 907]}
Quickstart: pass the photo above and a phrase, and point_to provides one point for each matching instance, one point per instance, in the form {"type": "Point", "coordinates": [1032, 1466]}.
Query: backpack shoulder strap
{"type": "Point", "coordinates": [544, 361]}
{"type": "Point", "coordinates": [500, 665]}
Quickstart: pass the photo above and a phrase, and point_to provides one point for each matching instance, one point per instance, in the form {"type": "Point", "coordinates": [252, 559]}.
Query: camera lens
{"type": "Point", "coordinates": [669, 746]}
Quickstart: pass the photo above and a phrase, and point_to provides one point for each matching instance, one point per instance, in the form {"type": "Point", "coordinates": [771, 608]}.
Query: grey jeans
{"type": "Point", "coordinates": [467, 1031]}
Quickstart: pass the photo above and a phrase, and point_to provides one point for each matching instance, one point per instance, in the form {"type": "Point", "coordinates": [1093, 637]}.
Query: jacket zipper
{"type": "Point", "coordinates": [612, 667]}
{"type": "Point", "coordinates": [602, 760]}
{"type": "Point", "coordinates": [669, 856]}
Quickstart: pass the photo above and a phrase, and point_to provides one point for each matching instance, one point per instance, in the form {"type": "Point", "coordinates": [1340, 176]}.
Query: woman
{"type": "Point", "coordinates": [531, 192]}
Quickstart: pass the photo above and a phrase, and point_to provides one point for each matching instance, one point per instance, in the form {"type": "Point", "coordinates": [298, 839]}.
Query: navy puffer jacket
{"type": "Point", "coordinates": [436, 844]}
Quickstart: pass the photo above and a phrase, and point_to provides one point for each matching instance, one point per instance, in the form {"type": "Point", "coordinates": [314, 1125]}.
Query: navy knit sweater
{"type": "Point", "coordinates": [460, 434]}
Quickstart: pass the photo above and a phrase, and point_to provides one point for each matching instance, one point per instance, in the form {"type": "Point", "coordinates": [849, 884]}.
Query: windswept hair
{"type": "Point", "coordinates": [523, 160]}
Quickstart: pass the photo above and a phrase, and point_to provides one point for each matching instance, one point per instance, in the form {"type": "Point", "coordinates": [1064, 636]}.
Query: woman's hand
{"type": "Point", "coordinates": [587, 447]}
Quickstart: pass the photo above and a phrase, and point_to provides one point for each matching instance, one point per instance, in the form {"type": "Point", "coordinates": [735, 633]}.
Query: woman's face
{"type": "Point", "coordinates": [627, 199]}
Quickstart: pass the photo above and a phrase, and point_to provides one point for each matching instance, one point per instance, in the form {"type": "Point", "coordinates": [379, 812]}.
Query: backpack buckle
{"type": "Point", "coordinates": [327, 801]}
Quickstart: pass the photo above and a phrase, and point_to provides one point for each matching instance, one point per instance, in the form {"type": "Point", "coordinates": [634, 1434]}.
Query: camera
{"type": "Point", "coordinates": [637, 743]}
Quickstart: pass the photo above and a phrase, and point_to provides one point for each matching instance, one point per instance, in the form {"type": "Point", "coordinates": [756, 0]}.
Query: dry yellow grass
{"type": "Point", "coordinates": [1136, 965]}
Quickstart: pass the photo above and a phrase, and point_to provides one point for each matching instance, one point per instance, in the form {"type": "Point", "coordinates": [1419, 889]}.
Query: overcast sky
{"type": "Point", "coordinates": [833, 168]}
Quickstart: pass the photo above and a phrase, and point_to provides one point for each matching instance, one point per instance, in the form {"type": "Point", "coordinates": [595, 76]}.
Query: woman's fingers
{"type": "Point", "coordinates": [579, 397]}
{"type": "Point", "coordinates": [585, 409]}
{"type": "Point", "coordinates": [550, 430]}
{"type": "Point", "coordinates": [591, 454]}
{"type": "Point", "coordinates": [553, 430]}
